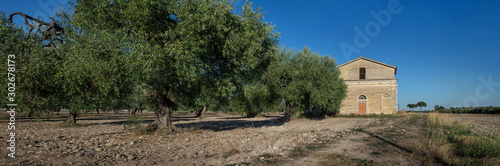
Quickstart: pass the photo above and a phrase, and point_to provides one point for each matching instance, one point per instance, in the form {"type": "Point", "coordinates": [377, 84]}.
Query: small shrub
{"type": "Point", "coordinates": [134, 121]}
{"type": "Point", "coordinates": [267, 155]}
{"type": "Point", "coordinates": [296, 152]}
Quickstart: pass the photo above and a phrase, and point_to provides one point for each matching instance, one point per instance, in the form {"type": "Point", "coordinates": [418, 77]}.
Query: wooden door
{"type": "Point", "coordinates": [362, 107]}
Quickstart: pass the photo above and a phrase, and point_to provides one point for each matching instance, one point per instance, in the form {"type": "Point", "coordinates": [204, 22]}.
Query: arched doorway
{"type": "Point", "coordinates": [362, 102]}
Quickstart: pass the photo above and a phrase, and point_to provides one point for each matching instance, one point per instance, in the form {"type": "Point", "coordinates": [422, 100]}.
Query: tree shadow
{"type": "Point", "coordinates": [439, 160]}
{"type": "Point", "coordinates": [229, 124]}
{"type": "Point", "coordinates": [388, 142]}
{"type": "Point", "coordinates": [194, 122]}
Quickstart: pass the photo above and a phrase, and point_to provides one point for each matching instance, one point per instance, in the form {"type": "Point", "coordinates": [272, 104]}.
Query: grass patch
{"type": "Point", "coordinates": [378, 144]}
{"type": "Point", "coordinates": [476, 146]}
{"type": "Point", "coordinates": [315, 146]}
{"type": "Point", "coordinates": [450, 142]}
{"type": "Point", "coordinates": [267, 155]}
{"type": "Point", "coordinates": [297, 151]}
{"type": "Point", "coordinates": [134, 121]}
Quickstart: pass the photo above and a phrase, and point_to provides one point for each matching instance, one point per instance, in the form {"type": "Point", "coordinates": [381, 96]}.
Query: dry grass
{"type": "Point", "coordinates": [229, 153]}
{"type": "Point", "coordinates": [440, 119]}
{"type": "Point", "coordinates": [452, 143]}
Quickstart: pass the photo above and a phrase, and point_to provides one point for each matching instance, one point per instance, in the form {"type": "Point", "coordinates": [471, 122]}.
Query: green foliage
{"type": "Point", "coordinates": [411, 106]}
{"type": "Point", "coordinates": [421, 104]}
{"type": "Point", "coordinates": [306, 79]}
{"type": "Point", "coordinates": [133, 121]}
{"type": "Point", "coordinates": [471, 110]}
{"type": "Point", "coordinates": [138, 101]}
{"type": "Point", "coordinates": [478, 147]}
{"type": "Point", "coordinates": [36, 89]}
{"type": "Point", "coordinates": [187, 52]}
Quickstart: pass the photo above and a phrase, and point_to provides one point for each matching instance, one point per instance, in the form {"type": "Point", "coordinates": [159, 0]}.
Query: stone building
{"type": "Point", "coordinates": [371, 87]}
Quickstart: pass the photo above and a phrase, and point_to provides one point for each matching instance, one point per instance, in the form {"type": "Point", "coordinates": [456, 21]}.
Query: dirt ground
{"type": "Point", "coordinates": [224, 139]}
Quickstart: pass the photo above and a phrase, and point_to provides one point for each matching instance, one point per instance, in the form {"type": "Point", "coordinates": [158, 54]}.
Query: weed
{"type": "Point", "coordinates": [296, 152]}
{"type": "Point", "coordinates": [366, 140]}
{"type": "Point", "coordinates": [267, 158]}
{"type": "Point", "coordinates": [378, 144]}
{"type": "Point", "coordinates": [133, 121]}
{"type": "Point", "coordinates": [447, 139]}
{"type": "Point", "coordinates": [229, 153]}
{"type": "Point", "coordinates": [267, 155]}
{"type": "Point", "coordinates": [359, 129]}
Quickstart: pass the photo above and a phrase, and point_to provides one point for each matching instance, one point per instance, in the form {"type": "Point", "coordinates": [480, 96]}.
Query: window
{"type": "Point", "coordinates": [386, 95]}
{"type": "Point", "coordinates": [362, 73]}
{"type": "Point", "coordinates": [362, 97]}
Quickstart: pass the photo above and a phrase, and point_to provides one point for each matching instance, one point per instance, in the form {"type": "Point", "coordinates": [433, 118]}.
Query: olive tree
{"type": "Point", "coordinates": [306, 79]}
{"type": "Point", "coordinates": [181, 46]}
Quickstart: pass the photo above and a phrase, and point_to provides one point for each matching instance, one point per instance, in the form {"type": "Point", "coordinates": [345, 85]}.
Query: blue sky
{"type": "Point", "coordinates": [447, 52]}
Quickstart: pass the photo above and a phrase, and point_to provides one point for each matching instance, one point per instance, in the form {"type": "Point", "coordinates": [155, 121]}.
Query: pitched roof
{"type": "Point", "coordinates": [370, 60]}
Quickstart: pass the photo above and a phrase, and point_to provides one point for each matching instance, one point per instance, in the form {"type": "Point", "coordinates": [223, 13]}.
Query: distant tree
{"type": "Point", "coordinates": [421, 104]}
{"type": "Point", "coordinates": [411, 106]}
{"type": "Point", "coordinates": [436, 107]}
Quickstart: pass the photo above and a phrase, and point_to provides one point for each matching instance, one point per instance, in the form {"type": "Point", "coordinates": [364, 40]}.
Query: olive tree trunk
{"type": "Point", "coordinates": [201, 113]}
{"type": "Point", "coordinates": [163, 116]}
{"type": "Point", "coordinates": [289, 112]}
{"type": "Point", "coordinates": [163, 112]}
{"type": "Point", "coordinates": [72, 117]}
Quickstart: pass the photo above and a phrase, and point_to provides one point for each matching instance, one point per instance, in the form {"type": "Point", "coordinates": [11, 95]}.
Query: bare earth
{"type": "Point", "coordinates": [224, 139]}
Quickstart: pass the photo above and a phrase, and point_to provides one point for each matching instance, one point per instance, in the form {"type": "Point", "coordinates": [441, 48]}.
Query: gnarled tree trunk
{"type": "Point", "coordinates": [72, 117]}
{"type": "Point", "coordinates": [289, 113]}
{"type": "Point", "coordinates": [163, 114]}
{"type": "Point", "coordinates": [201, 113]}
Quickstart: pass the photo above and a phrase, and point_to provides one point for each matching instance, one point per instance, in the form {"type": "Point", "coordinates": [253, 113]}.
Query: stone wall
{"type": "Point", "coordinates": [374, 71]}
{"type": "Point", "coordinates": [377, 103]}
